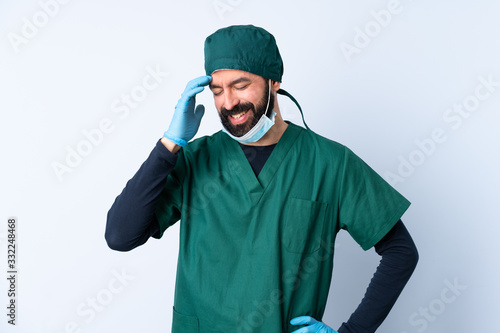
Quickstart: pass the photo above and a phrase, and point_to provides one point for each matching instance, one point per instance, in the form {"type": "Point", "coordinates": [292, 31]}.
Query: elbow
{"type": "Point", "coordinates": [411, 260]}
{"type": "Point", "coordinates": [115, 242]}
{"type": "Point", "coordinates": [122, 233]}
{"type": "Point", "coordinates": [122, 241]}
{"type": "Point", "coordinates": [414, 257]}
{"type": "Point", "coordinates": [116, 239]}
{"type": "Point", "coordinates": [114, 234]}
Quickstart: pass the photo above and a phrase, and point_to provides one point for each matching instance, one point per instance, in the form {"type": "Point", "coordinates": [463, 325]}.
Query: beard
{"type": "Point", "coordinates": [257, 111]}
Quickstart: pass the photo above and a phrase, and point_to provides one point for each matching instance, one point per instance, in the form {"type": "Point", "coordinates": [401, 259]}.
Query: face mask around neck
{"type": "Point", "coordinates": [256, 132]}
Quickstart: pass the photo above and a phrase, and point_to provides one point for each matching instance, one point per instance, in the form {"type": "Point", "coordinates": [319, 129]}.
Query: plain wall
{"type": "Point", "coordinates": [413, 87]}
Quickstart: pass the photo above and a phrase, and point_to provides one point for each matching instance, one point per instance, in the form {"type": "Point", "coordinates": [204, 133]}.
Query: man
{"type": "Point", "coordinates": [260, 204]}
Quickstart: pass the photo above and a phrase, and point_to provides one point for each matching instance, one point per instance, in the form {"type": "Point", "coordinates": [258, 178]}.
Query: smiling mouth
{"type": "Point", "coordinates": [239, 115]}
{"type": "Point", "coordinates": [240, 118]}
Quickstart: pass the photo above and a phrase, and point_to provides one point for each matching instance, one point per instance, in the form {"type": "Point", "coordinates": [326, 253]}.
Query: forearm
{"type": "Point", "coordinates": [171, 146]}
{"type": "Point", "coordinates": [131, 219]}
{"type": "Point", "coordinates": [399, 258]}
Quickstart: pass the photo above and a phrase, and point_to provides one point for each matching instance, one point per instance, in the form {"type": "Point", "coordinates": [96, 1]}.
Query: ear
{"type": "Point", "coordinates": [275, 85]}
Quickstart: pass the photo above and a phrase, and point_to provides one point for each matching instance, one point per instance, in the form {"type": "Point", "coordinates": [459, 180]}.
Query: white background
{"type": "Point", "coordinates": [384, 102]}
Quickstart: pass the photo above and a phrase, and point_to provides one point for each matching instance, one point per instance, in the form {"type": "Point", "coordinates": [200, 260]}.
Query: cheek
{"type": "Point", "coordinates": [251, 95]}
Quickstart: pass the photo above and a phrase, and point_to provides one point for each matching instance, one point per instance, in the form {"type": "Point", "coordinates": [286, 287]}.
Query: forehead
{"type": "Point", "coordinates": [226, 76]}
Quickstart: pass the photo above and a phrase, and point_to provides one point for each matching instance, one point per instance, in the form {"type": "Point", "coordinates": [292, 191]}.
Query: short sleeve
{"type": "Point", "coordinates": [369, 207]}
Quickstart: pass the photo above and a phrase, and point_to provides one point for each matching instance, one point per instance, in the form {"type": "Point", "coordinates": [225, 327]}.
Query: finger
{"type": "Point", "coordinates": [199, 111]}
{"type": "Point", "coordinates": [308, 329]}
{"type": "Point", "coordinates": [198, 82]}
{"type": "Point", "coordinates": [195, 87]}
{"type": "Point", "coordinates": [303, 320]}
{"type": "Point", "coordinates": [188, 94]}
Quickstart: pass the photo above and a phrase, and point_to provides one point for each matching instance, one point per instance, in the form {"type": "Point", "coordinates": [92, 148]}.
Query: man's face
{"type": "Point", "coordinates": [240, 98]}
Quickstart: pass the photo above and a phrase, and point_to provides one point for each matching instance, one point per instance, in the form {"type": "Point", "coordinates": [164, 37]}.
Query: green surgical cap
{"type": "Point", "coordinates": [244, 47]}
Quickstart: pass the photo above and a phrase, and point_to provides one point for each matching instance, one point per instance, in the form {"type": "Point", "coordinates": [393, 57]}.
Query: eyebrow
{"type": "Point", "coordinates": [236, 81]}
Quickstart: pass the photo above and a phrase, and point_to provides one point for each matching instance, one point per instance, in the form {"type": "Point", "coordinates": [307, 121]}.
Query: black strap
{"type": "Point", "coordinates": [284, 92]}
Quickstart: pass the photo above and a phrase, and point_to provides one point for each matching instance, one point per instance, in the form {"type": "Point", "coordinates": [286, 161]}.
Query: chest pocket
{"type": "Point", "coordinates": [303, 225]}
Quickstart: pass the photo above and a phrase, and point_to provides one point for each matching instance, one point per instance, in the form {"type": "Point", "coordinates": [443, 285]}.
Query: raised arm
{"type": "Point", "coordinates": [131, 219]}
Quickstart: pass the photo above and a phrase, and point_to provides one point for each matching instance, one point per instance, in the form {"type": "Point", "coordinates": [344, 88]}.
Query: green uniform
{"type": "Point", "coordinates": [256, 252]}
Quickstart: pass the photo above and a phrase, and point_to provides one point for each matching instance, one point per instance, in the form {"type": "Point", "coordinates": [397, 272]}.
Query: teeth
{"type": "Point", "coordinates": [237, 116]}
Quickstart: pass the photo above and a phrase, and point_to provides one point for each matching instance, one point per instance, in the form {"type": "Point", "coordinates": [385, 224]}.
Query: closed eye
{"type": "Point", "coordinates": [242, 87]}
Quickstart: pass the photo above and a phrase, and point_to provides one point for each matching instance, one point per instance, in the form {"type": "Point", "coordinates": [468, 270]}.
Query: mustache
{"type": "Point", "coordinates": [237, 109]}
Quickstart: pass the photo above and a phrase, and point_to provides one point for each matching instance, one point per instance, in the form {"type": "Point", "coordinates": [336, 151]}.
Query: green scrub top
{"type": "Point", "coordinates": [256, 252]}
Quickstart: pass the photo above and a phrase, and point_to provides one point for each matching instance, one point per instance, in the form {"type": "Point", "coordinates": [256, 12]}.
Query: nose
{"type": "Point", "coordinates": [230, 99]}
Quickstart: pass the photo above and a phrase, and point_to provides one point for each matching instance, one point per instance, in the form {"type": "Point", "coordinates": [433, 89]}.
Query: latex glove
{"type": "Point", "coordinates": [314, 326]}
{"type": "Point", "coordinates": [186, 119]}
